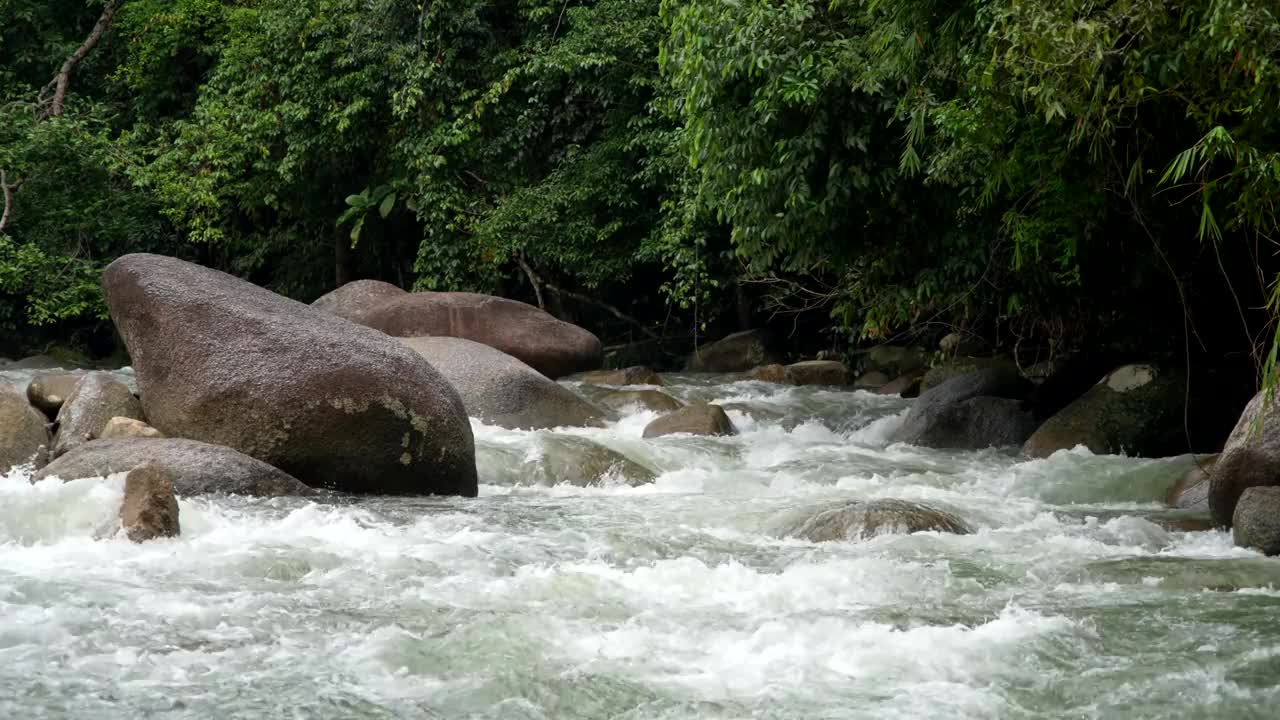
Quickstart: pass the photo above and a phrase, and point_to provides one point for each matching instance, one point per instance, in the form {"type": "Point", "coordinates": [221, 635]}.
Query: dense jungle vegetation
{"type": "Point", "coordinates": [1044, 174]}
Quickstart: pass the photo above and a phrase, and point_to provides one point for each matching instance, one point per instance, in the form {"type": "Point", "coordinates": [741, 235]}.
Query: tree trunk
{"type": "Point", "coordinates": [746, 312]}
{"type": "Point", "coordinates": [341, 257]}
{"type": "Point", "coordinates": [62, 80]}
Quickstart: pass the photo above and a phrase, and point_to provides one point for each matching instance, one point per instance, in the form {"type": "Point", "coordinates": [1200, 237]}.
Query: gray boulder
{"type": "Point", "coordinates": [978, 410]}
{"type": "Point", "coordinates": [1250, 458]}
{"type": "Point", "coordinates": [150, 509]}
{"type": "Point", "coordinates": [357, 297]}
{"type": "Point", "coordinates": [96, 399]}
{"type": "Point", "coordinates": [1135, 409]}
{"type": "Point", "coordinates": [334, 404]}
{"type": "Point", "coordinates": [738, 352]}
{"type": "Point", "coordinates": [48, 391]}
{"type": "Point", "coordinates": [195, 468]}
{"type": "Point", "coordinates": [956, 367]}
{"type": "Point", "coordinates": [648, 399]}
{"type": "Point", "coordinates": [580, 462]}
{"type": "Point", "coordinates": [861, 520]}
{"type": "Point", "coordinates": [634, 375]}
{"type": "Point", "coordinates": [818, 372]}
{"type": "Point", "coordinates": [1256, 520]}
{"type": "Point", "coordinates": [695, 419]}
{"type": "Point", "coordinates": [24, 431]}
{"type": "Point", "coordinates": [550, 346]}
{"type": "Point", "coordinates": [500, 390]}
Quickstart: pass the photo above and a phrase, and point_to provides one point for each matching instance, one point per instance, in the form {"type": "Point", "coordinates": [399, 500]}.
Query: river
{"type": "Point", "coordinates": [671, 599]}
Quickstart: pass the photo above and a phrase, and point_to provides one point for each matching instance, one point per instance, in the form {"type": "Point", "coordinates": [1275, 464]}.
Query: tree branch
{"type": "Point", "coordinates": [533, 277]}
{"type": "Point", "coordinates": [58, 86]}
{"type": "Point", "coordinates": [8, 191]}
{"type": "Point", "coordinates": [533, 280]}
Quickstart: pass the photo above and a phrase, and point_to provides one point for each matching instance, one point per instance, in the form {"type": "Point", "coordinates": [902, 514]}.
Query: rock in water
{"type": "Point", "coordinates": [696, 419]}
{"type": "Point", "coordinates": [738, 352]}
{"type": "Point", "coordinates": [978, 410]}
{"type": "Point", "coordinates": [150, 509]}
{"type": "Point", "coordinates": [648, 399]}
{"type": "Point", "coordinates": [24, 431]}
{"type": "Point", "coordinates": [195, 468]}
{"type": "Point", "coordinates": [773, 373]}
{"type": "Point", "coordinates": [861, 520]}
{"type": "Point", "coordinates": [550, 346]}
{"type": "Point", "coordinates": [1256, 520]}
{"type": "Point", "coordinates": [957, 367]}
{"type": "Point", "coordinates": [895, 361]}
{"type": "Point", "coordinates": [907, 386]}
{"type": "Point", "coordinates": [334, 404]}
{"type": "Point", "coordinates": [874, 380]}
{"type": "Point", "coordinates": [1136, 409]}
{"type": "Point", "coordinates": [122, 427]}
{"type": "Point", "coordinates": [1250, 458]}
{"type": "Point", "coordinates": [1191, 492]}
{"type": "Point", "coordinates": [583, 463]}
{"type": "Point", "coordinates": [96, 399]}
{"type": "Point", "coordinates": [634, 375]}
{"type": "Point", "coordinates": [818, 372]}
{"type": "Point", "coordinates": [500, 390]}
{"type": "Point", "coordinates": [357, 297]}
{"type": "Point", "coordinates": [48, 391]}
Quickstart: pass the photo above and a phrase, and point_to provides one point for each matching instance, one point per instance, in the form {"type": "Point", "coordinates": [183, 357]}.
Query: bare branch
{"type": "Point", "coordinates": [8, 191]}
{"type": "Point", "coordinates": [62, 81]}
{"type": "Point", "coordinates": [533, 280]}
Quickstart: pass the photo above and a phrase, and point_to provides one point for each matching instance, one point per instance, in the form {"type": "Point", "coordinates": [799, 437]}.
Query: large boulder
{"type": "Point", "coordinates": [195, 468]}
{"type": "Point", "coordinates": [96, 399]}
{"type": "Point", "coordinates": [634, 375]}
{"type": "Point", "coordinates": [499, 389]}
{"type": "Point", "coordinates": [149, 509]}
{"type": "Point", "coordinates": [1250, 458]}
{"type": "Point", "coordinates": [738, 352]}
{"type": "Point", "coordinates": [550, 346]}
{"type": "Point", "coordinates": [818, 372]}
{"type": "Point", "coordinates": [24, 431]}
{"type": "Point", "coordinates": [357, 297]}
{"type": "Point", "coordinates": [1135, 409]}
{"type": "Point", "coordinates": [1256, 520]}
{"type": "Point", "coordinates": [580, 462]}
{"type": "Point", "coordinates": [334, 404]}
{"type": "Point", "coordinates": [866, 519]}
{"type": "Point", "coordinates": [648, 399]}
{"type": "Point", "coordinates": [48, 391]}
{"type": "Point", "coordinates": [695, 419]}
{"type": "Point", "coordinates": [977, 410]}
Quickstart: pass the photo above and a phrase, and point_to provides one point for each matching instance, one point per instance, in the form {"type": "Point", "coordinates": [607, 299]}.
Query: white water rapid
{"type": "Point", "coordinates": [670, 599]}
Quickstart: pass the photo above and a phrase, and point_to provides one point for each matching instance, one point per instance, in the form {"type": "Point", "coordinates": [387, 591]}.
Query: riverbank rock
{"type": "Point", "coordinates": [861, 520]}
{"type": "Point", "coordinates": [963, 366]}
{"type": "Point", "coordinates": [150, 509]}
{"type": "Point", "coordinates": [329, 402]}
{"type": "Point", "coordinates": [817, 372]}
{"type": "Point", "coordinates": [1136, 409]}
{"type": "Point", "coordinates": [357, 297]}
{"type": "Point", "coordinates": [195, 468]}
{"type": "Point", "coordinates": [634, 375]}
{"type": "Point", "coordinates": [907, 386]}
{"type": "Point", "coordinates": [1191, 492]}
{"type": "Point", "coordinates": [655, 400]}
{"type": "Point", "coordinates": [119, 428]}
{"type": "Point", "coordinates": [48, 391]}
{"type": "Point", "coordinates": [771, 373]}
{"type": "Point", "coordinates": [695, 419]}
{"type": "Point", "coordinates": [500, 390]}
{"type": "Point", "coordinates": [24, 431]}
{"type": "Point", "coordinates": [1250, 458]}
{"type": "Point", "coordinates": [550, 346]}
{"type": "Point", "coordinates": [96, 399]}
{"type": "Point", "coordinates": [970, 412]}
{"type": "Point", "coordinates": [738, 352]}
{"type": "Point", "coordinates": [1256, 520]}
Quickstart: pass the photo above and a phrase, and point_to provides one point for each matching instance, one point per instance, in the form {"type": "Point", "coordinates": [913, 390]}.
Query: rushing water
{"type": "Point", "coordinates": [672, 599]}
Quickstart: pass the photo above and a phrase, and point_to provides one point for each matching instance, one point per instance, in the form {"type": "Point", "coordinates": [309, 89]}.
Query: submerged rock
{"type": "Point", "coordinates": [48, 391]}
{"type": "Point", "coordinates": [118, 428]}
{"type": "Point", "coordinates": [24, 431]}
{"type": "Point", "coordinates": [337, 405]}
{"type": "Point", "coordinates": [866, 519]}
{"type": "Point", "coordinates": [696, 419]}
{"type": "Point", "coordinates": [357, 297]}
{"type": "Point", "coordinates": [1136, 409]}
{"type": "Point", "coordinates": [1256, 520]}
{"type": "Point", "coordinates": [655, 400]}
{"type": "Point", "coordinates": [195, 468]}
{"type": "Point", "coordinates": [818, 372]}
{"type": "Point", "coordinates": [634, 375]}
{"type": "Point", "coordinates": [1250, 457]}
{"type": "Point", "coordinates": [500, 390]}
{"type": "Point", "coordinates": [150, 509]}
{"type": "Point", "coordinates": [1191, 492]}
{"type": "Point", "coordinates": [550, 346]}
{"type": "Point", "coordinates": [738, 352]}
{"type": "Point", "coordinates": [583, 463]}
{"type": "Point", "coordinates": [773, 373]}
{"type": "Point", "coordinates": [970, 412]}
{"type": "Point", "coordinates": [96, 399]}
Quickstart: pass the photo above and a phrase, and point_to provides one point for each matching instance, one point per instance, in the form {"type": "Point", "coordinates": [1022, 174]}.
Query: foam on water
{"type": "Point", "coordinates": [670, 599]}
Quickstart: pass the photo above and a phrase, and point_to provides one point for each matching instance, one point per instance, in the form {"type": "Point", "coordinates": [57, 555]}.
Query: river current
{"type": "Point", "coordinates": [676, 598]}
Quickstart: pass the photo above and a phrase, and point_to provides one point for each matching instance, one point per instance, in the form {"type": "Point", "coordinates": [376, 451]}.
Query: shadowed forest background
{"type": "Point", "coordinates": [1045, 176]}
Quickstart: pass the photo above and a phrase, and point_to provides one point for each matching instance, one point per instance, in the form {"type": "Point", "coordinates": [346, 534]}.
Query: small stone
{"type": "Point", "coordinates": [634, 375]}
{"type": "Point", "coordinates": [150, 509]}
{"type": "Point", "coordinates": [125, 427]}
{"type": "Point", "coordinates": [818, 372]}
{"type": "Point", "coordinates": [648, 399]}
{"type": "Point", "coordinates": [862, 520]}
{"type": "Point", "coordinates": [696, 419]}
